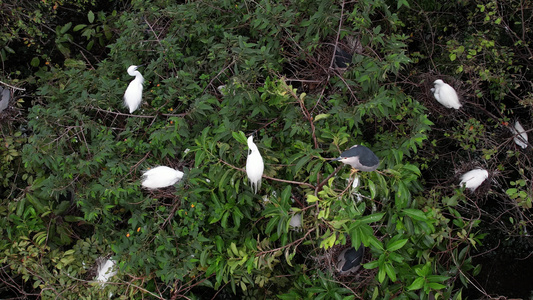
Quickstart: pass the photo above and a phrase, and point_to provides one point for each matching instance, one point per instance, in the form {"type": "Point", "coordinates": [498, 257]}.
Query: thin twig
{"type": "Point", "coordinates": [268, 177]}
{"type": "Point", "coordinates": [13, 87]}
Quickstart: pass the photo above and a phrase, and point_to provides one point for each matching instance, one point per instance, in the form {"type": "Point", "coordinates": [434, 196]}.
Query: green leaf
{"type": "Point", "coordinates": [35, 62]}
{"type": "Point", "coordinates": [79, 27]}
{"type": "Point", "coordinates": [415, 214]}
{"type": "Point", "coordinates": [90, 16]}
{"type": "Point", "coordinates": [321, 116]}
{"type": "Point", "coordinates": [373, 190]}
{"type": "Point", "coordinates": [403, 3]}
{"type": "Point", "coordinates": [240, 137]}
{"type": "Point", "coordinates": [436, 286]}
{"type": "Point", "coordinates": [371, 218]}
{"type": "Point", "coordinates": [396, 245]}
{"type": "Point", "coordinates": [390, 271]}
{"type": "Point", "coordinates": [234, 249]}
{"type": "Point", "coordinates": [417, 284]}
{"type": "Point", "coordinates": [312, 198]}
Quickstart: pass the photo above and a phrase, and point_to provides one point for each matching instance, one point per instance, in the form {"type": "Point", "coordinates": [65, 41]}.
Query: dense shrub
{"type": "Point", "coordinates": [82, 155]}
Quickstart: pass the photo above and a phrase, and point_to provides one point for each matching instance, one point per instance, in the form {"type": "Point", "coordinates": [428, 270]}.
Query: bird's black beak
{"type": "Point", "coordinates": [338, 158]}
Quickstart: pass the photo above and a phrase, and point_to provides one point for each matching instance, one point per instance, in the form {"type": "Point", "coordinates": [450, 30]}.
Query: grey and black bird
{"type": "Point", "coordinates": [342, 58]}
{"type": "Point", "coordinates": [349, 260]}
{"type": "Point", "coordinates": [5, 95]}
{"type": "Point", "coordinates": [360, 158]}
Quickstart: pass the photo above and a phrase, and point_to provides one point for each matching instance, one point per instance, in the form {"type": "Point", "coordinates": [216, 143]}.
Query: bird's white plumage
{"type": "Point", "coordinates": [134, 92]}
{"type": "Point", "coordinates": [445, 94]}
{"type": "Point", "coordinates": [296, 221]}
{"type": "Point", "coordinates": [474, 178]}
{"type": "Point", "coordinates": [254, 165]}
{"type": "Point", "coordinates": [520, 135]}
{"type": "Point", "coordinates": [106, 270]}
{"type": "Point", "coordinates": [355, 182]}
{"type": "Point", "coordinates": [160, 177]}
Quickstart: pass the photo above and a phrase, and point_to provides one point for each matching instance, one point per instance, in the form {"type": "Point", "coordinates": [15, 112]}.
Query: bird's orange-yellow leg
{"type": "Point", "coordinates": [354, 170]}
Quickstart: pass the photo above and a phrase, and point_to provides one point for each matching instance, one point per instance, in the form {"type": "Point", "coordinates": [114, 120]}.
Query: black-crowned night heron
{"type": "Point", "coordinates": [160, 177]}
{"type": "Point", "coordinates": [342, 58]}
{"type": "Point", "coordinates": [5, 95]}
{"type": "Point", "coordinates": [254, 165]}
{"type": "Point", "coordinates": [349, 260]}
{"type": "Point", "coordinates": [520, 135]}
{"type": "Point", "coordinates": [360, 158]}
{"type": "Point", "coordinates": [445, 94]}
{"type": "Point", "coordinates": [134, 92]}
{"type": "Point", "coordinates": [473, 179]}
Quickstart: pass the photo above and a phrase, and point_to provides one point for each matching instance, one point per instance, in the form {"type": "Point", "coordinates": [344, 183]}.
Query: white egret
{"type": "Point", "coordinates": [520, 135]}
{"type": "Point", "coordinates": [445, 94]}
{"type": "Point", "coordinates": [134, 92]}
{"type": "Point", "coordinates": [474, 178]}
{"type": "Point", "coordinates": [106, 270]}
{"type": "Point", "coordinates": [360, 158]}
{"type": "Point", "coordinates": [5, 95]}
{"type": "Point", "coordinates": [160, 177]}
{"type": "Point", "coordinates": [254, 165]}
{"type": "Point", "coordinates": [349, 260]}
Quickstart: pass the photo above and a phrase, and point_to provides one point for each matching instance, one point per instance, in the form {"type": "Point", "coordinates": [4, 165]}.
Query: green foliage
{"type": "Point", "coordinates": [216, 73]}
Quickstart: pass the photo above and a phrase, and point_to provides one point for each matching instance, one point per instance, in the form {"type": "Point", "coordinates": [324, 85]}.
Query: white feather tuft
{"type": "Point", "coordinates": [520, 135]}
{"type": "Point", "coordinates": [296, 221]}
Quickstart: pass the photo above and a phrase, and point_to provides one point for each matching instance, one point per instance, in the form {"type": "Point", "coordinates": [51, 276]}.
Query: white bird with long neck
{"type": "Point", "coordinates": [445, 94]}
{"type": "Point", "coordinates": [134, 92]}
{"type": "Point", "coordinates": [254, 165]}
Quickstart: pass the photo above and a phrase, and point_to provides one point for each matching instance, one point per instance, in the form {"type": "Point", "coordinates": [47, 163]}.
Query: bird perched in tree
{"type": "Point", "coordinates": [160, 177]}
{"type": "Point", "coordinates": [134, 92]}
{"type": "Point", "coordinates": [445, 94]}
{"type": "Point", "coordinates": [474, 178]}
{"type": "Point", "coordinates": [349, 260]}
{"type": "Point", "coordinates": [106, 270]}
{"type": "Point", "coordinates": [254, 165]}
{"type": "Point", "coordinates": [520, 135]}
{"type": "Point", "coordinates": [360, 158]}
{"type": "Point", "coordinates": [5, 95]}
{"type": "Point", "coordinates": [342, 58]}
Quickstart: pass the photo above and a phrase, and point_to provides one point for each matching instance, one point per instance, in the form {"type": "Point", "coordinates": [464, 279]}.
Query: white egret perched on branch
{"type": "Point", "coordinates": [160, 177]}
{"type": "Point", "coordinates": [445, 94]}
{"type": "Point", "coordinates": [134, 92]}
{"type": "Point", "coordinates": [474, 178]}
{"type": "Point", "coordinates": [254, 165]}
